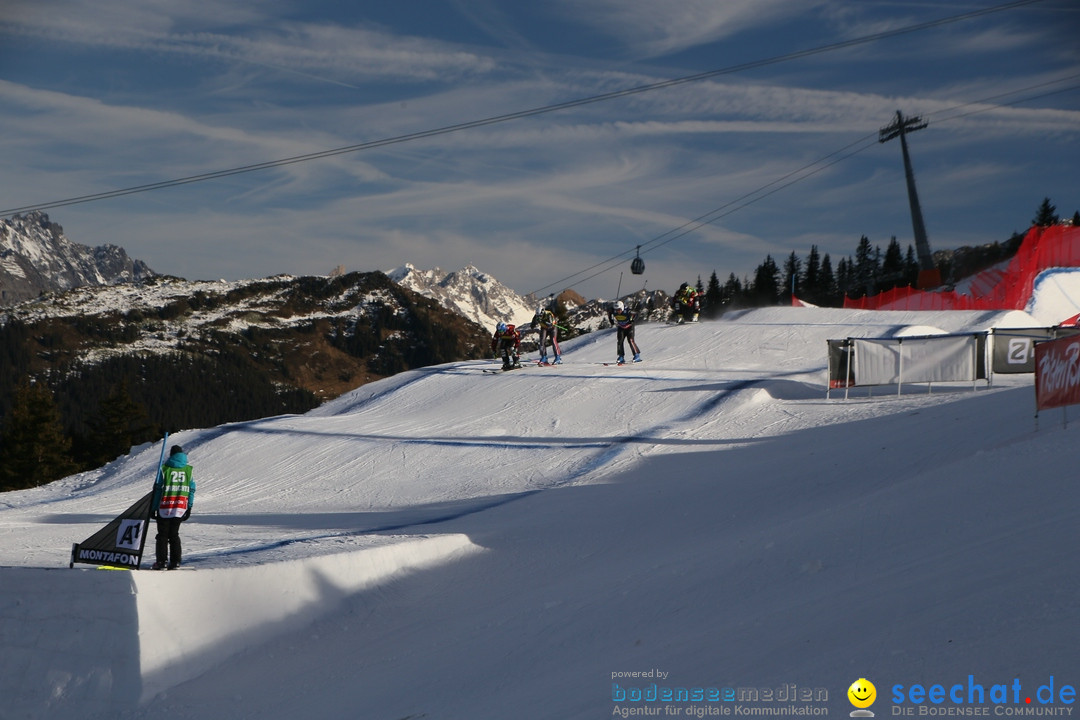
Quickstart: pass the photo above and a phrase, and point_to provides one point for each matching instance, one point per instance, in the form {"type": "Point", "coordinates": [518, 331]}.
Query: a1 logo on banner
{"type": "Point", "coordinates": [129, 534]}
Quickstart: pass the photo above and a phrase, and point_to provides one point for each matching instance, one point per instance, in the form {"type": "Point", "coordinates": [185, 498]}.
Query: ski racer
{"type": "Point", "coordinates": [623, 319]}
{"type": "Point", "coordinates": [686, 304]}
{"type": "Point", "coordinates": [506, 343]}
{"type": "Point", "coordinates": [549, 328]}
{"type": "Point", "coordinates": [174, 495]}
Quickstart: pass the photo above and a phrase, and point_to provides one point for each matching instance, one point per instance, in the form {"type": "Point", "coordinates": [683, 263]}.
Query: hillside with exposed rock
{"type": "Point", "coordinates": [36, 257]}
{"type": "Point", "coordinates": [171, 353]}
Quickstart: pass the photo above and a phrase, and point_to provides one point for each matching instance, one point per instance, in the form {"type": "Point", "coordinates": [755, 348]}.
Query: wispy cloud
{"type": "Point", "coordinates": [347, 53]}
{"type": "Point", "coordinates": [652, 28]}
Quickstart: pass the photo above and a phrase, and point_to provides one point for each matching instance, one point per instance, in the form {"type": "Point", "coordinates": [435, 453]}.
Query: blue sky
{"type": "Point", "coordinates": [99, 95]}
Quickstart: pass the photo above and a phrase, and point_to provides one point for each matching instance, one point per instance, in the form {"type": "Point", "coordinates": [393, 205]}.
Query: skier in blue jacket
{"type": "Point", "coordinates": [174, 495]}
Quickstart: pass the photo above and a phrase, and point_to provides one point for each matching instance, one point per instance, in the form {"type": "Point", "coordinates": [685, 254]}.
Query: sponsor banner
{"type": "Point", "coordinates": [103, 557]}
{"type": "Point", "coordinates": [1013, 349]}
{"type": "Point", "coordinates": [1057, 373]}
{"type": "Point", "coordinates": [119, 543]}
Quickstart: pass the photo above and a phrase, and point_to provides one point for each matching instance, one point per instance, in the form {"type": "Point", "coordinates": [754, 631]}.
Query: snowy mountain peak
{"type": "Point", "coordinates": [36, 257]}
{"type": "Point", "coordinates": [469, 291]}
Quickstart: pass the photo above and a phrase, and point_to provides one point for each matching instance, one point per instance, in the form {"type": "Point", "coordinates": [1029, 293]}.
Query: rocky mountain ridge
{"type": "Point", "coordinates": [480, 297]}
{"type": "Point", "coordinates": [469, 292]}
{"type": "Point", "coordinates": [320, 334]}
{"type": "Point", "coordinates": [36, 257]}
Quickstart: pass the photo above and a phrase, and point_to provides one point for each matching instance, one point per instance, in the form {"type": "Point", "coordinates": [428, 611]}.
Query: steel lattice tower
{"type": "Point", "coordinates": [929, 275]}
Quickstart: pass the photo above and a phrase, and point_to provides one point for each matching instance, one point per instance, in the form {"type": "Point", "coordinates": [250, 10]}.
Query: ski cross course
{"type": "Point", "coordinates": [437, 516]}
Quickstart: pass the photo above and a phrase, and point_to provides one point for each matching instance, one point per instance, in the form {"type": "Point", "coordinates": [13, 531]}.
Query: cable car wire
{"type": "Point", "coordinates": [867, 142]}
{"type": "Point", "coordinates": [777, 59]}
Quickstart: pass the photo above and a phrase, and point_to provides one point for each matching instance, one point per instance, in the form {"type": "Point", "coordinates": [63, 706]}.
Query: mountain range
{"type": "Point", "coordinates": [119, 345]}
{"type": "Point", "coordinates": [124, 362]}
{"type": "Point", "coordinates": [469, 292]}
{"type": "Point", "coordinates": [127, 353]}
{"type": "Point", "coordinates": [36, 257]}
{"type": "Point", "coordinates": [38, 260]}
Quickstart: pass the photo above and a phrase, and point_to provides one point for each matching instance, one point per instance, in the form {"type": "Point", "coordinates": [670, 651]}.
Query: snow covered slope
{"type": "Point", "coordinates": [449, 543]}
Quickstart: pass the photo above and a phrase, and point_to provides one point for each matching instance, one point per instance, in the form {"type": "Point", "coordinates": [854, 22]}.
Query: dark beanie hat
{"type": "Point", "coordinates": [176, 450]}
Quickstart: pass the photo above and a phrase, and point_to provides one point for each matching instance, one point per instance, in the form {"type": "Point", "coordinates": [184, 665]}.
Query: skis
{"type": "Point", "coordinates": [527, 363]}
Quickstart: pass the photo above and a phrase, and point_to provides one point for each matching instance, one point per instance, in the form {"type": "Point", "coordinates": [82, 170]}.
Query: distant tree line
{"type": "Point", "coordinates": [868, 271]}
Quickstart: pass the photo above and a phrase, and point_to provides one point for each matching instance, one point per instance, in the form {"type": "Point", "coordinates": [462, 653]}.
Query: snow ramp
{"type": "Point", "coordinates": [87, 643]}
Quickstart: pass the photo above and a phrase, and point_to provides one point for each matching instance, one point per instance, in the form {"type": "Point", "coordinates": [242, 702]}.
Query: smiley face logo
{"type": "Point", "coordinates": [862, 693]}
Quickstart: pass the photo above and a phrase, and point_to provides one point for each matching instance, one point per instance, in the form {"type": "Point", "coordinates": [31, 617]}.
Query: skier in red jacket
{"type": "Point", "coordinates": [506, 343]}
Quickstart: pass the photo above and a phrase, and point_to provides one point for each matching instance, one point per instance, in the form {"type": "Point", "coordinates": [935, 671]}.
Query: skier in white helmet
{"type": "Point", "coordinates": [623, 319]}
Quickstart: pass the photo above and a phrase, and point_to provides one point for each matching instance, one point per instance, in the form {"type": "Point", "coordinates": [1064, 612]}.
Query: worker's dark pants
{"type": "Point", "coordinates": [168, 541]}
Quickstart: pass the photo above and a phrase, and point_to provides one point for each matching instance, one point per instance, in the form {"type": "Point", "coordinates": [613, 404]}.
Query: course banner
{"type": "Point", "coordinates": [121, 542]}
{"type": "Point", "coordinates": [939, 358]}
{"type": "Point", "coordinates": [1057, 373]}
{"type": "Point", "coordinates": [1014, 348]}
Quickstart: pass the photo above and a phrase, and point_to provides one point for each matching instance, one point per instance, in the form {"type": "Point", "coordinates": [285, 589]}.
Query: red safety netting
{"type": "Point", "coordinates": [1057, 246]}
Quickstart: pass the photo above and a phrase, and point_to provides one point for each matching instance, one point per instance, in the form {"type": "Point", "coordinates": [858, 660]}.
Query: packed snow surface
{"type": "Point", "coordinates": [450, 543]}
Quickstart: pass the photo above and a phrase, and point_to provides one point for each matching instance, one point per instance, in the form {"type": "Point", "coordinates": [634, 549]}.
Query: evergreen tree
{"type": "Point", "coordinates": [15, 359]}
{"type": "Point", "coordinates": [866, 268]}
{"type": "Point", "coordinates": [843, 277]}
{"type": "Point", "coordinates": [714, 297]}
{"type": "Point", "coordinates": [121, 424]}
{"type": "Point", "coordinates": [733, 291]}
{"type": "Point", "coordinates": [792, 269]}
{"type": "Point", "coordinates": [766, 283]}
{"type": "Point", "coordinates": [35, 449]}
{"type": "Point", "coordinates": [892, 267]}
{"type": "Point", "coordinates": [1076, 218]}
{"type": "Point", "coordinates": [811, 279]}
{"type": "Point", "coordinates": [828, 294]}
{"type": "Point", "coordinates": [911, 268]}
{"type": "Point", "coordinates": [1046, 215]}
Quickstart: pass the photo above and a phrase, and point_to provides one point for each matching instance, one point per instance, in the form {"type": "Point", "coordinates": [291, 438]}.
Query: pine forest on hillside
{"type": "Point", "coordinates": [63, 412]}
